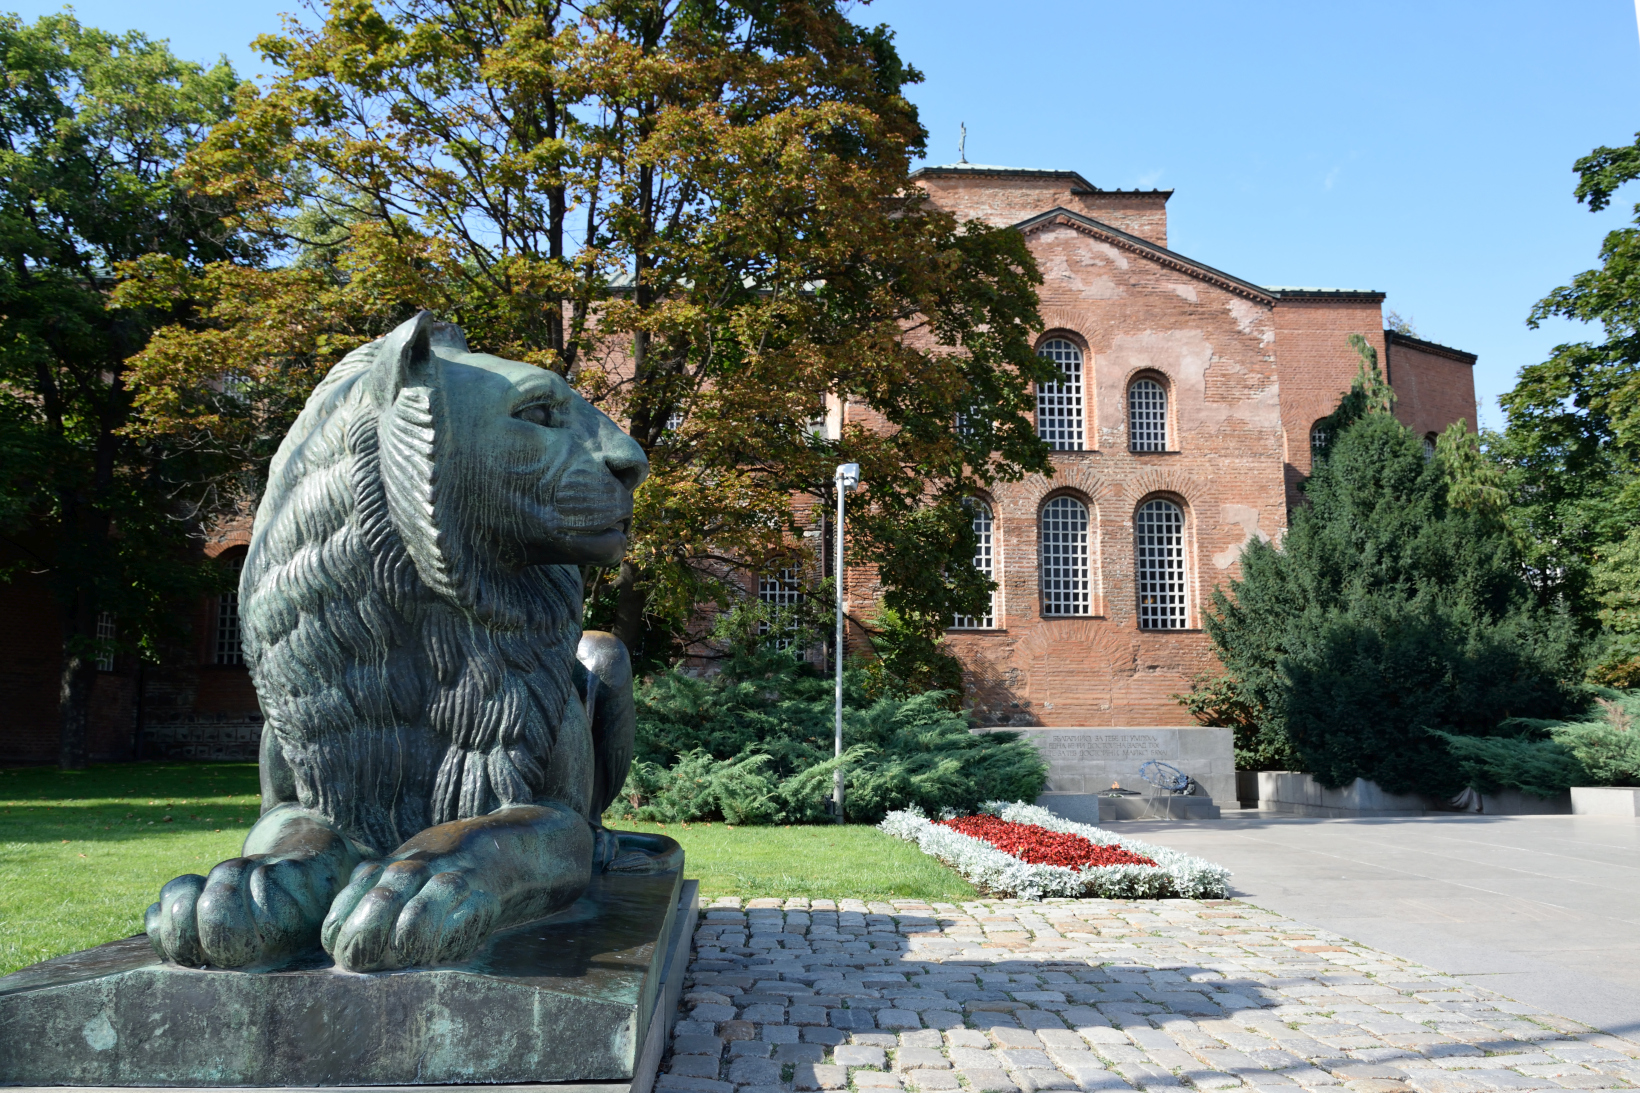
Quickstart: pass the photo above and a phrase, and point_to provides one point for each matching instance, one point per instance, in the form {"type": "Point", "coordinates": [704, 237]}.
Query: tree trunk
{"type": "Point", "coordinates": [79, 675]}
{"type": "Point", "coordinates": [629, 608]}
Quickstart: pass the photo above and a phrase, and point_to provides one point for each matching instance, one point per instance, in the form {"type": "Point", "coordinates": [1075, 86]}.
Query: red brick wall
{"type": "Point", "coordinates": [1434, 386]}
{"type": "Point", "coordinates": [1212, 346]}
{"type": "Point", "coordinates": [1001, 201]}
{"type": "Point", "coordinates": [31, 658]}
{"type": "Point", "coordinates": [1317, 364]}
{"type": "Point", "coordinates": [188, 685]}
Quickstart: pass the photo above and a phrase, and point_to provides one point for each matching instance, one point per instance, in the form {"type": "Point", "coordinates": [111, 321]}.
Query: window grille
{"type": "Point", "coordinates": [230, 646]}
{"type": "Point", "coordinates": [1147, 417]}
{"type": "Point", "coordinates": [1059, 403]}
{"type": "Point", "coordinates": [674, 421]}
{"type": "Point", "coordinates": [1429, 447]}
{"type": "Point", "coordinates": [781, 593]}
{"type": "Point", "coordinates": [985, 562]}
{"type": "Point", "coordinates": [1318, 440]}
{"type": "Point", "coordinates": [1065, 583]}
{"type": "Point", "coordinates": [1159, 547]}
{"type": "Point", "coordinates": [105, 641]}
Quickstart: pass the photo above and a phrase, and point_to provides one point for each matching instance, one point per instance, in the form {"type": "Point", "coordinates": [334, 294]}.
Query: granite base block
{"type": "Point", "coordinates": [1093, 808]}
{"type": "Point", "coordinates": [585, 997]}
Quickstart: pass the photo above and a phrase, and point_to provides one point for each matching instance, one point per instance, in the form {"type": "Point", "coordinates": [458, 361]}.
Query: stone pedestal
{"type": "Point", "coordinates": [583, 996]}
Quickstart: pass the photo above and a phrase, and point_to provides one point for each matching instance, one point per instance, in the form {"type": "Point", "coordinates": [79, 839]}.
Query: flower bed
{"type": "Point", "coordinates": [1036, 845]}
{"type": "Point", "coordinates": [1011, 850]}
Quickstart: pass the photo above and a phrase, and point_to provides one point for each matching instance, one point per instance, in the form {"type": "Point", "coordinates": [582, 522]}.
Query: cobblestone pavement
{"type": "Point", "coordinates": [1000, 996]}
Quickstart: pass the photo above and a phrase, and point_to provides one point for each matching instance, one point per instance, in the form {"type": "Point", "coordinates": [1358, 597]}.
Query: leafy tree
{"type": "Point", "coordinates": [699, 210]}
{"type": "Point", "coordinates": [1393, 612]}
{"type": "Point", "coordinates": [91, 127]}
{"type": "Point", "coordinates": [1571, 448]}
{"type": "Point", "coordinates": [1614, 581]}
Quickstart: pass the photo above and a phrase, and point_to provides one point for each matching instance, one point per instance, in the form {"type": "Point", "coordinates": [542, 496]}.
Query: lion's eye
{"type": "Point", "coordinates": [538, 414]}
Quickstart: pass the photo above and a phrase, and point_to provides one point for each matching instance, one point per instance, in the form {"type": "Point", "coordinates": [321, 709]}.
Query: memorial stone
{"type": "Point", "coordinates": [1084, 763]}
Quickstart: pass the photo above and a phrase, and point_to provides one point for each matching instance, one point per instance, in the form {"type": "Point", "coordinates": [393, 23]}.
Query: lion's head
{"type": "Point", "coordinates": [411, 598]}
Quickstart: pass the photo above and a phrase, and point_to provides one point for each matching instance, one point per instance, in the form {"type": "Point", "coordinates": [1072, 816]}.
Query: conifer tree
{"type": "Point", "coordinates": [1393, 611]}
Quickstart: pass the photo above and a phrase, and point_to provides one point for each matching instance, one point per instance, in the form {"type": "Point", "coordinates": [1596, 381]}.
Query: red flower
{"type": "Point", "coordinates": [1036, 845]}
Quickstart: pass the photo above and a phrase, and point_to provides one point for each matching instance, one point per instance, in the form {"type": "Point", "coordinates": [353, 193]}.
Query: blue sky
{"type": "Point", "coordinates": [1420, 148]}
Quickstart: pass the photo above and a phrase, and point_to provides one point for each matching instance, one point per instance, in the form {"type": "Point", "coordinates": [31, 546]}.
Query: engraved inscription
{"type": "Point", "coordinates": [1100, 748]}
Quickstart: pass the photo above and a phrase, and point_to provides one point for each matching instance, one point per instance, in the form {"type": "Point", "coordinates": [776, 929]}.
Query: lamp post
{"type": "Point", "coordinates": [846, 479]}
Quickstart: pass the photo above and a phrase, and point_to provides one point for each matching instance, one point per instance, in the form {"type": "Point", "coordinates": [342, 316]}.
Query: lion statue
{"type": "Point", "coordinates": [440, 737]}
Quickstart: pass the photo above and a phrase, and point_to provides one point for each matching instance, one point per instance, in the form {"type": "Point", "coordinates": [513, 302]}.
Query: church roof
{"type": "Point", "coordinates": [1079, 185]}
{"type": "Point", "coordinates": [1394, 338]}
{"type": "Point", "coordinates": [1159, 254]}
{"type": "Point", "coordinates": [1290, 292]}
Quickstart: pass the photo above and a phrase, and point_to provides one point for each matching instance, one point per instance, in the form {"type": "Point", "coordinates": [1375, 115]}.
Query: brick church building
{"type": "Point", "coordinates": [1180, 428]}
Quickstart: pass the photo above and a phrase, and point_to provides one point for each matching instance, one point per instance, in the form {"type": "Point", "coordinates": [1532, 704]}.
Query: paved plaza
{"type": "Point", "coordinates": [1543, 909]}
{"type": "Point", "coordinates": [998, 996]}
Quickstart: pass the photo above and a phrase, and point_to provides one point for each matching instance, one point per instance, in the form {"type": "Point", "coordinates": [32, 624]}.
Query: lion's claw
{"type": "Point", "coordinates": [171, 923]}
{"type": "Point", "coordinates": [403, 915]}
{"type": "Point", "coordinates": [248, 911]}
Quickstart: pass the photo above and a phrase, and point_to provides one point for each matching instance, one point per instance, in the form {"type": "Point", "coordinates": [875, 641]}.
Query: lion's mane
{"type": "Point", "coordinates": [401, 695]}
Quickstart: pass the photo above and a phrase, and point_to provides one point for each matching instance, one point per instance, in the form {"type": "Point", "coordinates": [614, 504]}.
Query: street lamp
{"type": "Point", "coordinates": [846, 479]}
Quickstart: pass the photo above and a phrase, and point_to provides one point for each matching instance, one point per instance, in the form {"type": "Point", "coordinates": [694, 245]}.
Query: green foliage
{"type": "Point", "coordinates": [700, 211]}
{"type": "Point", "coordinates": [1542, 768]}
{"type": "Point", "coordinates": [911, 658]}
{"type": "Point", "coordinates": [1545, 757]}
{"type": "Point", "coordinates": [1614, 584]}
{"type": "Point", "coordinates": [1389, 615]}
{"type": "Point", "coordinates": [1607, 745]}
{"type": "Point", "coordinates": [1571, 450]}
{"type": "Point", "coordinates": [1224, 702]}
{"type": "Point", "coordinates": [754, 743]}
{"type": "Point", "coordinates": [92, 128]}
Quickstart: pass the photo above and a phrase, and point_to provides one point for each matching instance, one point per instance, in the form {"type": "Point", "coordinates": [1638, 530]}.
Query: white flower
{"type": "Point", "coordinates": [982, 864]}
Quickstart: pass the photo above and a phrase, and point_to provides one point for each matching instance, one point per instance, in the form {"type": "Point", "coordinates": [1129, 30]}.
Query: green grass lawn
{"type": "Point", "coordinates": [83, 854]}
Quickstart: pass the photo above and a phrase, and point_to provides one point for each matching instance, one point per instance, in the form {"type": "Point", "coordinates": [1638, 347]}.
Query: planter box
{"type": "Point", "coordinates": [1300, 794]}
{"type": "Point", "coordinates": [1605, 801]}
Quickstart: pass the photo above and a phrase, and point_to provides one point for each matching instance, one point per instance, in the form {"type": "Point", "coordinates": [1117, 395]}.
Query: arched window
{"type": "Point", "coordinates": [230, 646]}
{"type": "Point", "coordinates": [1429, 447]}
{"type": "Point", "coordinates": [1158, 532]}
{"type": "Point", "coordinates": [782, 594]}
{"type": "Point", "coordinates": [106, 633]}
{"type": "Point", "coordinates": [1318, 439]}
{"type": "Point", "coordinates": [1147, 416]}
{"type": "Point", "coordinates": [985, 562]}
{"type": "Point", "coordinates": [1059, 403]}
{"type": "Point", "coordinates": [1066, 589]}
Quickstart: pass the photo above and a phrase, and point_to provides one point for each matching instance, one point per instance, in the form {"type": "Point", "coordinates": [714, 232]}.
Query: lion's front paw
{"type": "Point", "coordinates": [248, 911]}
{"type": "Point", "coordinates": [404, 914]}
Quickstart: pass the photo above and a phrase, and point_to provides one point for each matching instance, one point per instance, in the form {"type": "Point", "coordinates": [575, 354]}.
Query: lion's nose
{"type": "Point", "coordinates": [628, 464]}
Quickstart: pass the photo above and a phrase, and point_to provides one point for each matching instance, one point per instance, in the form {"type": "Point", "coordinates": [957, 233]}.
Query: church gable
{"type": "Point", "coordinates": [1123, 243]}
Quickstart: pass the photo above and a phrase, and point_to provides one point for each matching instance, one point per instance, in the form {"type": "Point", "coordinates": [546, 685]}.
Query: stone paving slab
{"type": "Point", "coordinates": [1012, 996]}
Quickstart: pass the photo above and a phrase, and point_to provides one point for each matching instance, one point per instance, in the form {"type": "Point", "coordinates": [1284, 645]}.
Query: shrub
{"type": "Point", "coordinates": [753, 744]}
{"type": "Point", "coordinates": [1547, 757]}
